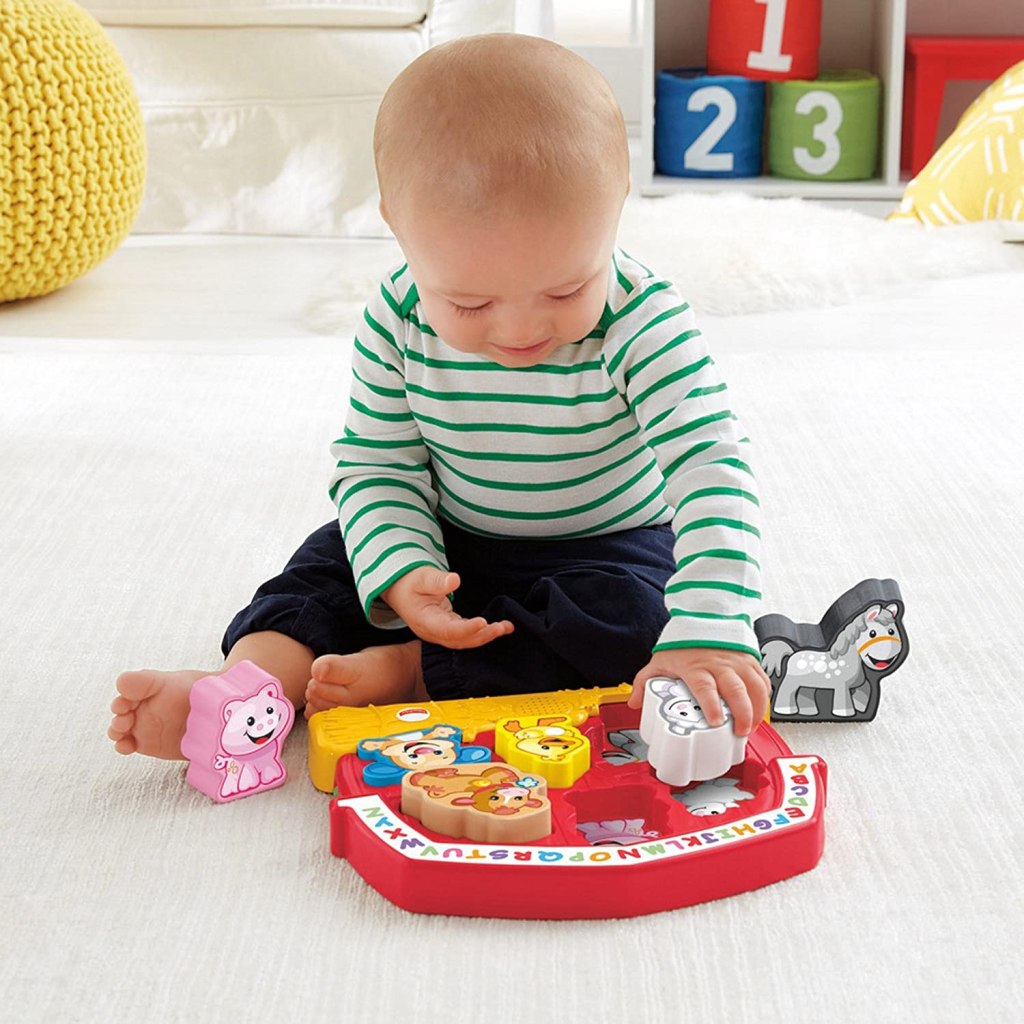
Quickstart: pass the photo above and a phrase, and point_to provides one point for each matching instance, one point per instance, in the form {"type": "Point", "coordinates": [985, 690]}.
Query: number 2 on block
{"type": "Point", "coordinates": [698, 155]}
{"type": "Point", "coordinates": [770, 57]}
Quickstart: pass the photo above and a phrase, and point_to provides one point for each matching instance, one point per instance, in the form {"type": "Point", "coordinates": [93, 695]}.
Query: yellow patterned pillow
{"type": "Point", "coordinates": [978, 172]}
{"type": "Point", "coordinates": [72, 149]}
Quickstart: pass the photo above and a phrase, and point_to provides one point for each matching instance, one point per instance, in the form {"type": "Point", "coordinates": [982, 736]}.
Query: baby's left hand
{"type": "Point", "coordinates": [713, 674]}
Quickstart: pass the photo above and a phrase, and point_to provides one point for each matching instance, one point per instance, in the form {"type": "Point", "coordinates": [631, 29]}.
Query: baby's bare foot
{"type": "Point", "coordinates": [150, 712]}
{"type": "Point", "coordinates": [376, 675]}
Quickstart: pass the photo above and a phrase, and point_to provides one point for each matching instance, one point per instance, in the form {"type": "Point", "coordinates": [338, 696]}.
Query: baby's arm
{"type": "Point", "coordinates": [712, 674]}
{"type": "Point", "coordinates": [382, 484]}
{"type": "Point", "coordinates": [660, 362]}
{"type": "Point", "coordinates": [421, 599]}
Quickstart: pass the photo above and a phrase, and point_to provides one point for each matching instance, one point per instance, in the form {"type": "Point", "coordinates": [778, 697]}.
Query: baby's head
{"type": "Point", "coordinates": [496, 124]}
{"type": "Point", "coordinates": [503, 166]}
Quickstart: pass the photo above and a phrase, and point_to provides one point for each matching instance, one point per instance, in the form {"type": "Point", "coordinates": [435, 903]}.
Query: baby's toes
{"type": "Point", "coordinates": [328, 668]}
{"type": "Point", "coordinates": [126, 745]}
{"type": "Point", "coordinates": [120, 724]}
{"type": "Point", "coordinates": [121, 705]}
{"type": "Point", "coordinates": [321, 695]}
{"type": "Point", "coordinates": [310, 697]}
{"type": "Point", "coordinates": [136, 687]}
{"type": "Point", "coordinates": [313, 705]}
{"type": "Point", "coordinates": [120, 731]}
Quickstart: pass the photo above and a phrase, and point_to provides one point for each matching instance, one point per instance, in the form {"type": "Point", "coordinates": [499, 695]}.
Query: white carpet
{"type": "Point", "coordinates": [163, 446]}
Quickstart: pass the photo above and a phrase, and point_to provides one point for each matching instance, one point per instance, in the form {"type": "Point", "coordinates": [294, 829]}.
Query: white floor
{"type": "Point", "coordinates": [163, 444]}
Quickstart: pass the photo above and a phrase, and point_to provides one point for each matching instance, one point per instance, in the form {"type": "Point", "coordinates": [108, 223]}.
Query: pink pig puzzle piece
{"type": "Point", "coordinates": [236, 727]}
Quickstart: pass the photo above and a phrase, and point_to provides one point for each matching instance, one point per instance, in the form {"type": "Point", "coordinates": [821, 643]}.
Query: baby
{"type": "Point", "coordinates": [540, 484]}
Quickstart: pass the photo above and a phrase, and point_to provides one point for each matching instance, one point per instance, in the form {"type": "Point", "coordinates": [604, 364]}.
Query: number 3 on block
{"type": "Point", "coordinates": [825, 132]}
{"type": "Point", "coordinates": [698, 155]}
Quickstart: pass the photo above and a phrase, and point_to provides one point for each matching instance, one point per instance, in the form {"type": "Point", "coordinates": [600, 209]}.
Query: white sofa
{"type": "Point", "coordinates": [259, 113]}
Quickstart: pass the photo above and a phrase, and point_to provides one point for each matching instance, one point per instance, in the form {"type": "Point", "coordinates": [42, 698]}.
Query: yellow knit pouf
{"type": "Point", "coordinates": [72, 148]}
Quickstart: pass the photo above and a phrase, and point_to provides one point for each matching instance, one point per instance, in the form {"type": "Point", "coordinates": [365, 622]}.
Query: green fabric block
{"type": "Point", "coordinates": [825, 130]}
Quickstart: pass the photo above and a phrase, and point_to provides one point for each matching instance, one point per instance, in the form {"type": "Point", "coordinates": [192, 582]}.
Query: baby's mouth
{"type": "Point", "coordinates": [528, 350]}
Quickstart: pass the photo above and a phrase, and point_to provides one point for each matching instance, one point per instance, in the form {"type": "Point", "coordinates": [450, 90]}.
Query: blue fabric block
{"type": "Point", "coordinates": [708, 126]}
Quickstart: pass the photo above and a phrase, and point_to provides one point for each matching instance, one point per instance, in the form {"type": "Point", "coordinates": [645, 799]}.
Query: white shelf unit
{"type": "Point", "coordinates": [883, 22]}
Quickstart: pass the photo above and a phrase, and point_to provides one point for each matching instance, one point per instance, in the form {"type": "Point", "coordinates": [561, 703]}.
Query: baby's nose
{"type": "Point", "coordinates": [521, 329]}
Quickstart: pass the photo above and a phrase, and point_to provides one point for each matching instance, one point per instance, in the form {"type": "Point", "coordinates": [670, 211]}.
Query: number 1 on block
{"type": "Point", "coordinates": [770, 57]}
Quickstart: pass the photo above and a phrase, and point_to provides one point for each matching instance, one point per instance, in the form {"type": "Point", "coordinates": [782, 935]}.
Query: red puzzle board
{"type": "Point", "coordinates": [775, 833]}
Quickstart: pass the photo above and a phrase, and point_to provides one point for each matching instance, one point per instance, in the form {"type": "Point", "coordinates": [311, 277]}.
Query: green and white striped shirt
{"type": "Point", "coordinates": [629, 426]}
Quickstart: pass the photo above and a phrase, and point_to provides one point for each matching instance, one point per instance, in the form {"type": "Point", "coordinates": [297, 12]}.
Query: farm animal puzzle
{"type": "Point", "coordinates": [497, 839]}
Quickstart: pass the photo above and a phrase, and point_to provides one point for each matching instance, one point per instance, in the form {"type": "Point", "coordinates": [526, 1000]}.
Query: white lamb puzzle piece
{"type": "Point", "coordinates": [683, 747]}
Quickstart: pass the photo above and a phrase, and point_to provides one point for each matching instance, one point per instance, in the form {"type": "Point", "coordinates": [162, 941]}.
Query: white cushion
{"type": "Point", "coordinates": [450, 19]}
{"type": "Point", "coordinates": [257, 123]}
{"type": "Point", "coordinates": [332, 13]}
{"type": "Point", "coordinates": [260, 131]}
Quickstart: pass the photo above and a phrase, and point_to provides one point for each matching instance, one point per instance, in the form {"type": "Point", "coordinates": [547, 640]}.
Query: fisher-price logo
{"type": "Point", "coordinates": [413, 714]}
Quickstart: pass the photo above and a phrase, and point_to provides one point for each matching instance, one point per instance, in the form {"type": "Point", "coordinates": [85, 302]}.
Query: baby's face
{"type": "Point", "coordinates": [513, 289]}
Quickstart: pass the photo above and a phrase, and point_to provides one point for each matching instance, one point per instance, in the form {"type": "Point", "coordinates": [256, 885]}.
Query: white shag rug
{"type": "Point", "coordinates": [731, 253]}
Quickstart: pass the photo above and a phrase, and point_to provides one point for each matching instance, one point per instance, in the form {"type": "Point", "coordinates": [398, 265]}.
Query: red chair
{"type": "Point", "coordinates": [931, 61]}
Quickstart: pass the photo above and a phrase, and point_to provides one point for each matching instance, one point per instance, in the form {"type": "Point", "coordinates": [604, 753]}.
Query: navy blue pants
{"type": "Point", "coordinates": [586, 612]}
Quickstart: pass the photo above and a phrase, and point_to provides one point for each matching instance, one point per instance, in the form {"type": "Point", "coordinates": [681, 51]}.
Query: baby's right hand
{"type": "Point", "coordinates": [420, 597]}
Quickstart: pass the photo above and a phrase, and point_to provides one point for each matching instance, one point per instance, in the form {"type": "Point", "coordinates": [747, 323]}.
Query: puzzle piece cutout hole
{"type": "Point", "coordinates": [642, 809]}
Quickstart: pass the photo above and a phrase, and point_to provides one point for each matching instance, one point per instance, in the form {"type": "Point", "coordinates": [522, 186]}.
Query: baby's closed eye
{"type": "Point", "coordinates": [468, 310]}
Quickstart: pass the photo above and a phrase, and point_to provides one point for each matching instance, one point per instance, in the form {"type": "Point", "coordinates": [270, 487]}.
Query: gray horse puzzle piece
{"type": "Point", "coordinates": [831, 671]}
